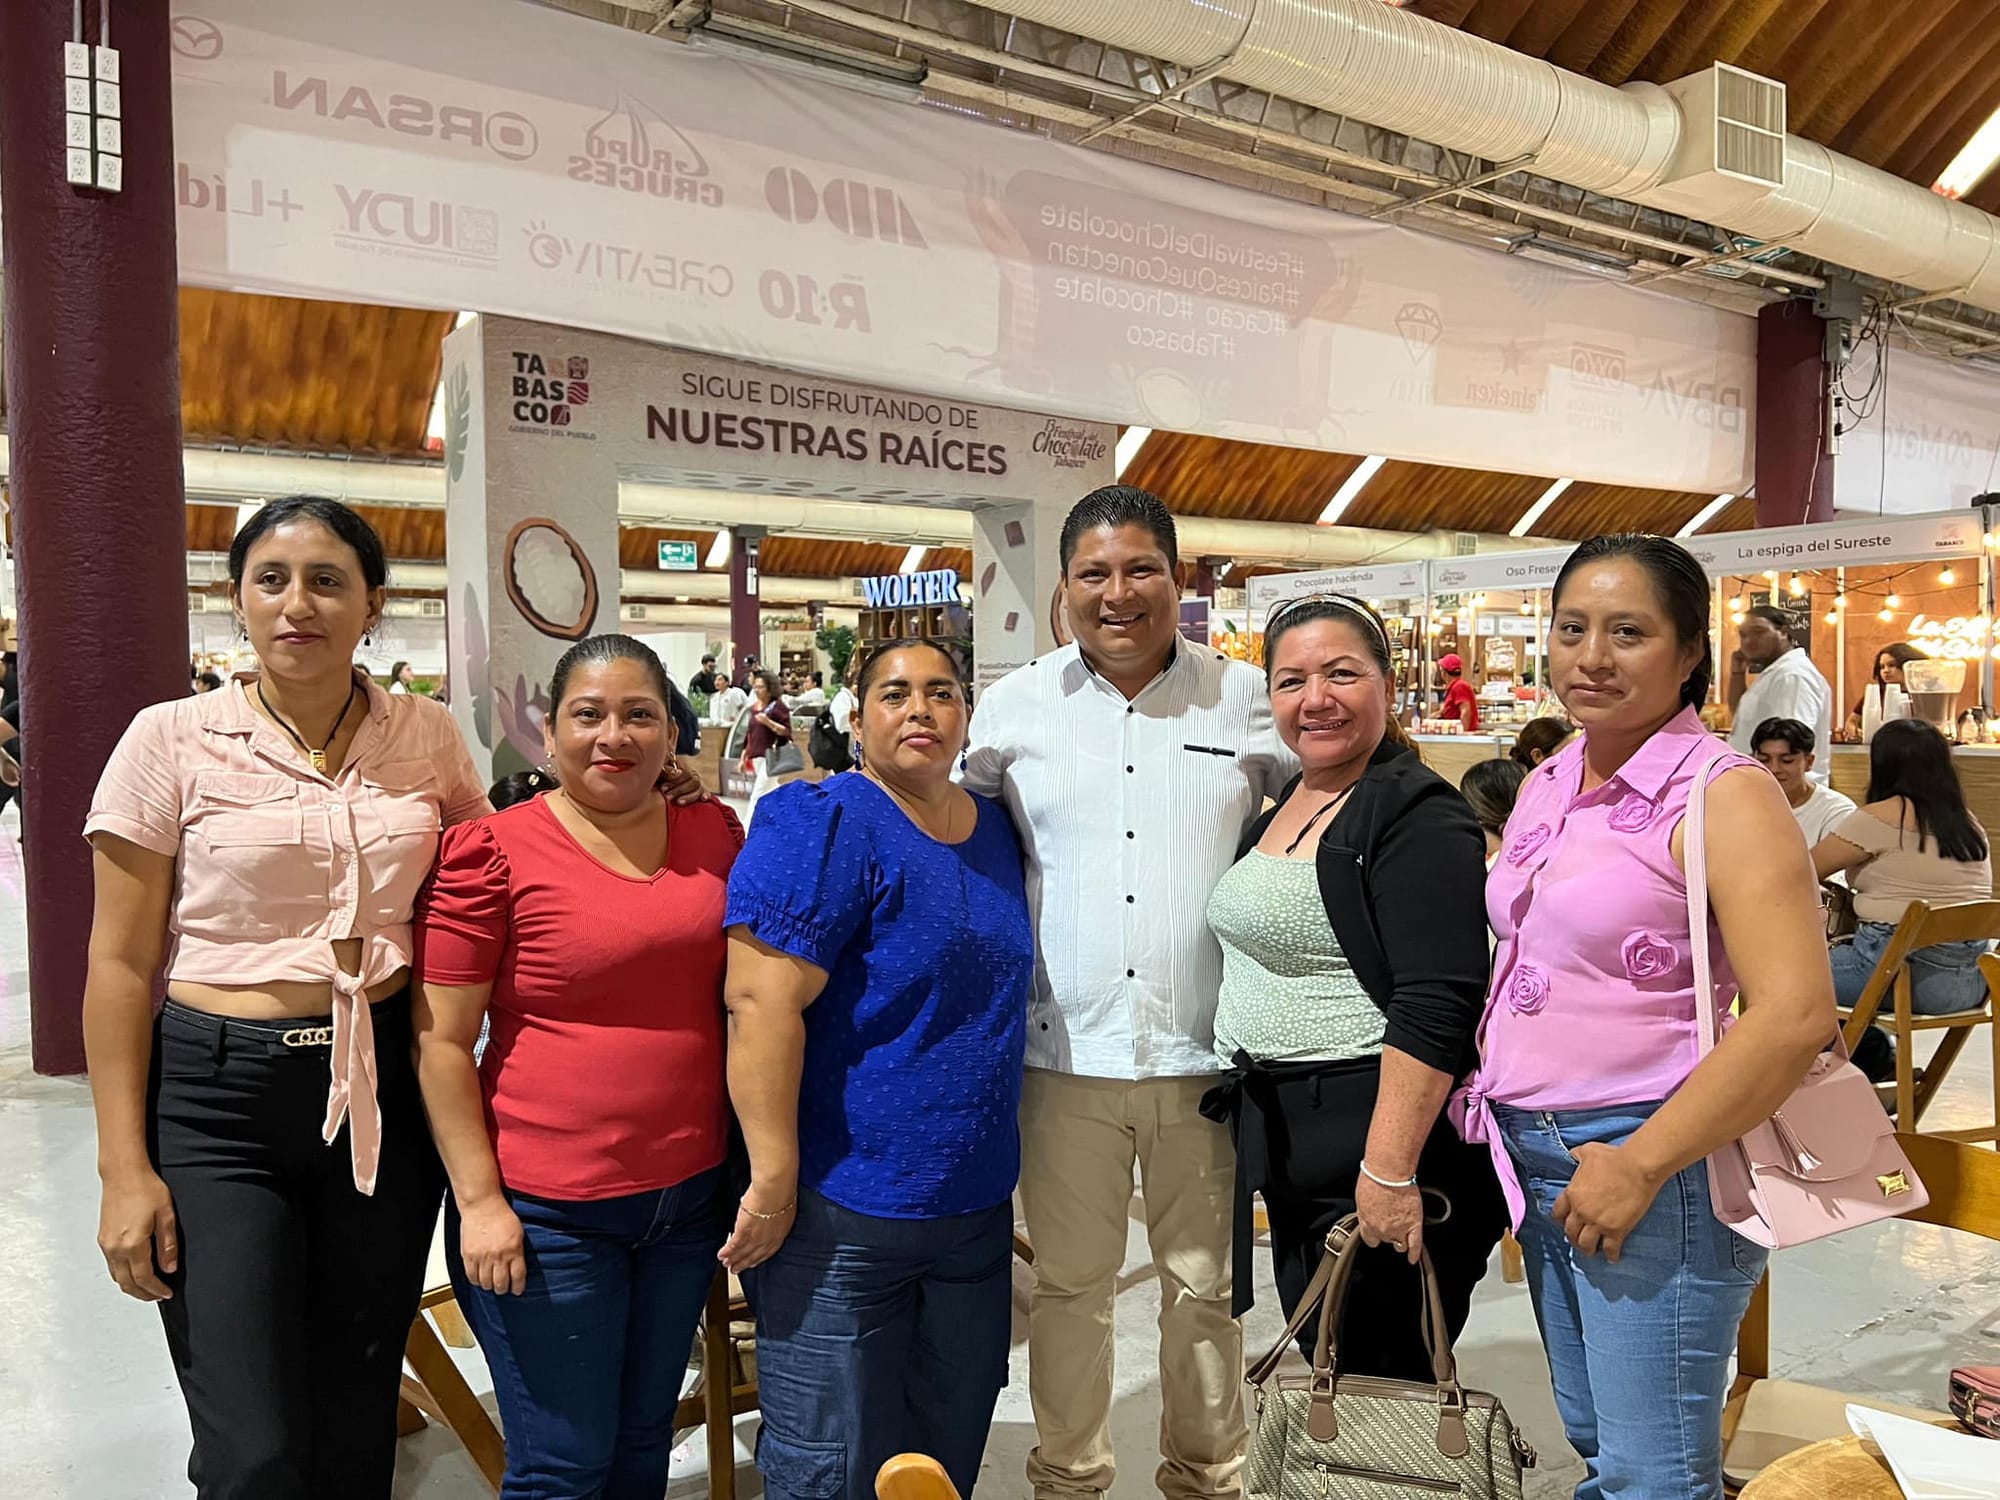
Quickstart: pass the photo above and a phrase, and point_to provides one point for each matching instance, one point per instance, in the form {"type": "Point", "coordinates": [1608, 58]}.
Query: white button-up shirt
{"type": "Point", "coordinates": [1790, 688]}
{"type": "Point", "coordinates": [1129, 813]}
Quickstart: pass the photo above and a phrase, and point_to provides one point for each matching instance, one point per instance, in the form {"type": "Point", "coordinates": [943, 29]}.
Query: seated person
{"type": "Point", "coordinates": [1784, 747]}
{"type": "Point", "coordinates": [1540, 738]}
{"type": "Point", "coordinates": [1914, 839]}
{"type": "Point", "coordinates": [1491, 787]}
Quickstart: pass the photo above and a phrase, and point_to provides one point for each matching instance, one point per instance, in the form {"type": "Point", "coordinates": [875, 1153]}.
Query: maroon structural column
{"type": "Point", "coordinates": [93, 418]}
{"type": "Point", "coordinates": [1794, 470]}
{"type": "Point", "coordinates": [746, 619]}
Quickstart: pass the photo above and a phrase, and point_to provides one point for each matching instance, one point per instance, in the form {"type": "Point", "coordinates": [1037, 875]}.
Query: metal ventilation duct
{"type": "Point", "coordinates": [1376, 63]}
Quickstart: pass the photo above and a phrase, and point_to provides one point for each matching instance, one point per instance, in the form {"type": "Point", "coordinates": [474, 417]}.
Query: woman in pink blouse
{"type": "Point", "coordinates": [1588, 1091]}
{"type": "Point", "coordinates": [268, 1178]}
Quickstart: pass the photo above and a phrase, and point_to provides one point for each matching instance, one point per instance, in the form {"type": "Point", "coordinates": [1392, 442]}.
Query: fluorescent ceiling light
{"type": "Point", "coordinates": [718, 551]}
{"type": "Point", "coordinates": [1526, 525]}
{"type": "Point", "coordinates": [1706, 514]}
{"type": "Point", "coordinates": [913, 559]}
{"type": "Point", "coordinates": [1973, 162]}
{"type": "Point", "coordinates": [1356, 483]}
{"type": "Point", "coordinates": [1130, 444]}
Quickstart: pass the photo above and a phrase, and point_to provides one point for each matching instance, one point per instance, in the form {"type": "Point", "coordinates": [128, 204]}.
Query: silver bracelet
{"type": "Point", "coordinates": [1383, 1181]}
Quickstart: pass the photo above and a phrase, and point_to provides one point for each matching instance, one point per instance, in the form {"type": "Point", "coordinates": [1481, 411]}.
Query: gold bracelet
{"type": "Point", "coordinates": [767, 1217]}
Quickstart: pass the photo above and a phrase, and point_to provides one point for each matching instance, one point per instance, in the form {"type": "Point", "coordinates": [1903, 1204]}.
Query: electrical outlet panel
{"type": "Point", "coordinates": [76, 131]}
{"type": "Point", "coordinates": [111, 137]}
{"type": "Point", "coordinates": [77, 164]}
{"type": "Point", "coordinates": [107, 100]}
{"type": "Point", "coordinates": [106, 60]}
{"type": "Point", "coordinates": [76, 95]}
{"type": "Point", "coordinates": [76, 60]}
{"type": "Point", "coordinates": [110, 172]}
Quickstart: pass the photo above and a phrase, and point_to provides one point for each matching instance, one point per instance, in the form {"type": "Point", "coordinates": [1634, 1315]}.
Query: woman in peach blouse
{"type": "Point", "coordinates": [268, 1177]}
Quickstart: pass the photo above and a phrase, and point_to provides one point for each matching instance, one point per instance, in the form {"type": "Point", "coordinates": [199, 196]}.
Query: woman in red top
{"type": "Point", "coordinates": [586, 1148]}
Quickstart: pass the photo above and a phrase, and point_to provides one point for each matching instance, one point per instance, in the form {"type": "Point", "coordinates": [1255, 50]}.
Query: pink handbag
{"type": "Point", "coordinates": [1828, 1159]}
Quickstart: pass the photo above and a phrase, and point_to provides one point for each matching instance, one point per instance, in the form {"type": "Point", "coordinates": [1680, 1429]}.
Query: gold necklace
{"type": "Point", "coordinates": [317, 757]}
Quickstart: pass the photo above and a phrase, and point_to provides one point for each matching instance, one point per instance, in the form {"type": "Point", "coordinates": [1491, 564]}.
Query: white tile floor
{"type": "Point", "coordinates": [89, 1410]}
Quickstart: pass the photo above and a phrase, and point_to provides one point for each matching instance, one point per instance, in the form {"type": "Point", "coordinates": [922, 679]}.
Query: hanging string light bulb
{"type": "Point", "coordinates": [1840, 600]}
{"type": "Point", "coordinates": [1894, 601]}
{"type": "Point", "coordinates": [1885, 614]}
{"type": "Point", "coordinates": [1947, 577]}
{"type": "Point", "coordinates": [1798, 587]}
{"type": "Point", "coordinates": [1832, 617]}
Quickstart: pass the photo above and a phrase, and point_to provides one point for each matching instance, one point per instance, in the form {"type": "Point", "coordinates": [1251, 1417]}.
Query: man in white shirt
{"type": "Point", "coordinates": [1785, 749]}
{"type": "Point", "coordinates": [1131, 762]}
{"type": "Point", "coordinates": [1788, 685]}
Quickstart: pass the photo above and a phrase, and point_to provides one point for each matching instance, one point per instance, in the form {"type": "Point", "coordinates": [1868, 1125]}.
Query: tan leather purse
{"type": "Point", "coordinates": [1359, 1437]}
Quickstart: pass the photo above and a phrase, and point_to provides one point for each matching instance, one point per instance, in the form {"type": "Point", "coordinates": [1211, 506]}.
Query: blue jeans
{"type": "Point", "coordinates": [1639, 1351]}
{"type": "Point", "coordinates": [877, 1337]}
{"type": "Point", "coordinates": [1943, 977]}
{"type": "Point", "coordinates": [588, 1362]}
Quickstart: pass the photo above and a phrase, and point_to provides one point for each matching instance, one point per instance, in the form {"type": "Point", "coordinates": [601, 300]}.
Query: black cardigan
{"type": "Point", "coordinates": [1402, 870]}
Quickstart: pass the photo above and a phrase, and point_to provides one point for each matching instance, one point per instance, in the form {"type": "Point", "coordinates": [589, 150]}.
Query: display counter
{"type": "Point", "coordinates": [1452, 755]}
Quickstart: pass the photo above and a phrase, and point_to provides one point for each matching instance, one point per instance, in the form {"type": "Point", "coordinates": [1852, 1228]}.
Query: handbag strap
{"type": "Point", "coordinates": [1694, 850]}
{"type": "Point", "coordinates": [1326, 1294]}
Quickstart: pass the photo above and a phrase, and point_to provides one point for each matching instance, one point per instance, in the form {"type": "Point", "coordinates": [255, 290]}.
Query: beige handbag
{"type": "Point", "coordinates": [1359, 1437]}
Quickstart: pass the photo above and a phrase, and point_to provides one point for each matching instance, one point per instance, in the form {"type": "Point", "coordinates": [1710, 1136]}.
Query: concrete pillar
{"type": "Point", "coordinates": [746, 628]}
{"type": "Point", "coordinates": [93, 414]}
{"type": "Point", "coordinates": [1794, 472]}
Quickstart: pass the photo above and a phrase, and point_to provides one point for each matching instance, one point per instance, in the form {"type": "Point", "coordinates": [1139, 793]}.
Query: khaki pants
{"type": "Point", "coordinates": [1079, 1140]}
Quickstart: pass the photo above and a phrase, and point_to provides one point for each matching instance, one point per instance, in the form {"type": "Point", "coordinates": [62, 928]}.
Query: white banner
{"type": "Point", "coordinates": [1931, 442]}
{"type": "Point", "coordinates": [1839, 544]}
{"type": "Point", "coordinates": [1387, 581]}
{"type": "Point", "coordinates": [512, 159]}
{"type": "Point", "coordinates": [1498, 570]}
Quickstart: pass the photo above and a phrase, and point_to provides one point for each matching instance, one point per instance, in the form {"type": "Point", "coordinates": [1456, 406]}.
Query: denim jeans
{"type": "Point", "coordinates": [1943, 977]}
{"type": "Point", "coordinates": [877, 1337]}
{"type": "Point", "coordinates": [1640, 1350]}
{"type": "Point", "coordinates": [588, 1362]}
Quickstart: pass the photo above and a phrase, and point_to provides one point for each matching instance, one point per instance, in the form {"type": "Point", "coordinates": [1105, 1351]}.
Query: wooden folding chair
{"type": "Point", "coordinates": [1765, 1418]}
{"type": "Point", "coordinates": [436, 1390]}
{"type": "Point", "coordinates": [1922, 926]}
{"type": "Point", "coordinates": [728, 1386]}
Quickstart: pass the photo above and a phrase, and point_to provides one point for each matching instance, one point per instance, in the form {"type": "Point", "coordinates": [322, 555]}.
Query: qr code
{"type": "Point", "coordinates": [477, 232]}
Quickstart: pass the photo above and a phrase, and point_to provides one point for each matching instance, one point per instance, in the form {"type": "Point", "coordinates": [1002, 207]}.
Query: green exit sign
{"type": "Point", "coordinates": [678, 557]}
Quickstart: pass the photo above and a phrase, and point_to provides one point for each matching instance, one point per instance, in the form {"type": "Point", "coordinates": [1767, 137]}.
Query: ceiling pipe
{"type": "Point", "coordinates": [216, 474]}
{"type": "Point", "coordinates": [1389, 68]}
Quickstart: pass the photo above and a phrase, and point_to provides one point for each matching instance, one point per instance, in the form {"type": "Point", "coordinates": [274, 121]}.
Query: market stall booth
{"type": "Point", "coordinates": [1859, 593]}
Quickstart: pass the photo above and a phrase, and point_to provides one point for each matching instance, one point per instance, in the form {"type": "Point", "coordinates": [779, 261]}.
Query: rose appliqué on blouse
{"type": "Point", "coordinates": [1525, 846]}
{"type": "Point", "coordinates": [1527, 989]}
{"type": "Point", "coordinates": [1647, 955]}
{"type": "Point", "coordinates": [1633, 814]}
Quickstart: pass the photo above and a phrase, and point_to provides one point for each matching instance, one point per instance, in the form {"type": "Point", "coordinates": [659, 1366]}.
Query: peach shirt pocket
{"type": "Point", "coordinates": [275, 862]}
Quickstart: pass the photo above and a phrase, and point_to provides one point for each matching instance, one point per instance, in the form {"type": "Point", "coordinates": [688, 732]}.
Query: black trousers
{"type": "Point", "coordinates": [295, 1292]}
{"type": "Point", "coordinates": [1316, 1126]}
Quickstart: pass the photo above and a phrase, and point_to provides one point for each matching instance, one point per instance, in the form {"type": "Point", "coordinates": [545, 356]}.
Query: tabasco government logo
{"type": "Point", "coordinates": [548, 391]}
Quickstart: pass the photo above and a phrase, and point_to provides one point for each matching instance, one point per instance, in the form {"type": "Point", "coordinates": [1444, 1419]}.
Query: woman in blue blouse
{"type": "Point", "coordinates": [880, 958]}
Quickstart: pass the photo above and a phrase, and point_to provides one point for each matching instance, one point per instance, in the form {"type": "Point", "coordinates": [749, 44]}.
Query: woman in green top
{"type": "Point", "coordinates": [1353, 932]}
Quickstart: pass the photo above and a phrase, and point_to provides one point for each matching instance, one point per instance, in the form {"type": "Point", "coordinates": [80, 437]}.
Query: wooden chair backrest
{"type": "Point", "coordinates": [1922, 925]}
{"type": "Point", "coordinates": [1963, 1181]}
{"type": "Point", "coordinates": [914, 1476]}
{"type": "Point", "coordinates": [1964, 1186]}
